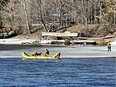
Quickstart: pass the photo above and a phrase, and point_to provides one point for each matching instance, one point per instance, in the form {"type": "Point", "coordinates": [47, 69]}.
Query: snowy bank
{"type": "Point", "coordinates": [114, 43]}
{"type": "Point", "coordinates": [17, 41]}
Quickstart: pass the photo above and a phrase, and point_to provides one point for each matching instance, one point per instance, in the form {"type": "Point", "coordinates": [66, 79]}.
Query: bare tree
{"type": "Point", "coordinates": [59, 13]}
{"type": "Point", "coordinates": [25, 10]}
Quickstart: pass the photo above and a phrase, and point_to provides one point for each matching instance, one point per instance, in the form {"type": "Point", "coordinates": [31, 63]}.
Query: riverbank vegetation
{"type": "Point", "coordinates": [89, 18]}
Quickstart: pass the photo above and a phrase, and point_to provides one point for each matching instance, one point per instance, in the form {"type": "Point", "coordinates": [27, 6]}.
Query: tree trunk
{"type": "Point", "coordinates": [41, 16]}
{"type": "Point", "coordinates": [26, 15]}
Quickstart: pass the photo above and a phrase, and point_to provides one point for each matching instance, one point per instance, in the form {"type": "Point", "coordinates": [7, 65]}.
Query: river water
{"type": "Point", "coordinates": [78, 66]}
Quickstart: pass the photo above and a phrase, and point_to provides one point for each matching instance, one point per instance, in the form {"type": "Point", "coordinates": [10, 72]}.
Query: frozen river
{"type": "Point", "coordinates": [76, 51]}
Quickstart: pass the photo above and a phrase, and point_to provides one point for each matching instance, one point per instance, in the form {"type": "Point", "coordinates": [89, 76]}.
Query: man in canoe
{"type": "Point", "coordinates": [46, 52]}
{"type": "Point", "coordinates": [35, 53]}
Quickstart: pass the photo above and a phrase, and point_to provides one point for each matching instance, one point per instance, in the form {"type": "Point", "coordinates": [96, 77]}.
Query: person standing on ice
{"type": "Point", "coordinates": [109, 46]}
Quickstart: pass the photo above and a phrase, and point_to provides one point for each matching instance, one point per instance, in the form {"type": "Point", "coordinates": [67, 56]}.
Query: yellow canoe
{"type": "Point", "coordinates": [26, 56]}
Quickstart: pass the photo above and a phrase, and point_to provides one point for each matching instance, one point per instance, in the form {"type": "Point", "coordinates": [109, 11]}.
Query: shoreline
{"type": "Point", "coordinates": [36, 41]}
{"type": "Point", "coordinates": [46, 42]}
{"type": "Point", "coordinates": [17, 41]}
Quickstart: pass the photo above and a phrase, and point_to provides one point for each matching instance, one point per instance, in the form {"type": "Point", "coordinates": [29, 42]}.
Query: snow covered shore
{"type": "Point", "coordinates": [17, 41]}
{"type": "Point", "coordinates": [114, 43]}
{"type": "Point", "coordinates": [33, 41]}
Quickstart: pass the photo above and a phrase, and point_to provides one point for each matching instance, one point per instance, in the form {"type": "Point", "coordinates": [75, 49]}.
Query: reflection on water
{"type": "Point", "coordinates": [97, 72]}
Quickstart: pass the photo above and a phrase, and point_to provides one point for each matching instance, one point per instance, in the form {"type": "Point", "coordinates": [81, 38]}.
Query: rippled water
{"type": "Point", "coordinates": [97, 72]}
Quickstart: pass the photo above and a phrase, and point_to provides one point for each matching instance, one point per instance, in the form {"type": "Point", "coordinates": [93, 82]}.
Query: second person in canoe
{"type": "Point", "coordinates": [46, 52]}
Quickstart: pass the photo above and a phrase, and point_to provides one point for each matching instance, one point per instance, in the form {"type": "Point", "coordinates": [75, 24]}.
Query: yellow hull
{"type": "Point", "coordinates": [26, 56]}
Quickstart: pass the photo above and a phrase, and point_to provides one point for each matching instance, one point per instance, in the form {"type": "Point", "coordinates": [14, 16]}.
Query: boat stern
{"type": "Point", "coordinates": [57, 55]}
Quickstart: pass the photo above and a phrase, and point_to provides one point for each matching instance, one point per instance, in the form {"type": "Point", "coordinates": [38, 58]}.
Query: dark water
{"type": "Point", "coordinates": [66, 72]}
